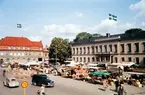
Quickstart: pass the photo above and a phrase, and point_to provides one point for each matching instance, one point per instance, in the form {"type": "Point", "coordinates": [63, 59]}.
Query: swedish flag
{"type": "Point", "coordinates": [112, 17]}
{"type": "Point", "coordinates": [19, 26]}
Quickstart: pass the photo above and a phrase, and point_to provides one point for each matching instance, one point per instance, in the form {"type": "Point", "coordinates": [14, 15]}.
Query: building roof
{"type": "Point", "coordinates": [19, 41]}
{"type": "Point", "coordinates": [121, 37]}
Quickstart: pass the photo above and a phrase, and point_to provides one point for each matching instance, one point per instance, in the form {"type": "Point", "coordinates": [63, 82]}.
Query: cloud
{"type": "Point", "coordinates": [79, 14]}
{"type": "Point", "coordinates": [143, 24]}
{"type": "Point", "coordinates": [139, 7]}
{"type": "Point", "coordinates": [35, 38]}
{"type": "Point", "coordinates": [71, 30]}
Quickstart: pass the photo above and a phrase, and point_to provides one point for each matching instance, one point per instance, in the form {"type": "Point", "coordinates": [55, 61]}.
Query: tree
{"type": "Point", "coordinates": [60, 48]}
{"type": "Point", "coordinates": [96, 35]}
{"type": "Point", "coordinates": [82, 36]}
{"type": "Point", "coordinates": [135, 32]}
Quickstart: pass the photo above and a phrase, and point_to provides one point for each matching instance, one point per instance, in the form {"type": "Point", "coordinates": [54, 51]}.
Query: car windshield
{"type": "Point", "coordinates": [13, 79]}
{"type": "Point", "coordinates": [101, 65]}
{"type": "Point", "coordinates": [45, 77]}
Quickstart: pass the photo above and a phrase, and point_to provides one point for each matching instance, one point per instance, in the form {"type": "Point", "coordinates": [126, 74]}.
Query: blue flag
{"type": "Point", "coordinates": [112, 17]}
{"type": "Point", "coordinates": [19, 26]}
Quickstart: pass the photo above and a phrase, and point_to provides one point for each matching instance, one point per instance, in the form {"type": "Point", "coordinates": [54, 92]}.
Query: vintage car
{"type": "Point", "coordinates": [10, 81]}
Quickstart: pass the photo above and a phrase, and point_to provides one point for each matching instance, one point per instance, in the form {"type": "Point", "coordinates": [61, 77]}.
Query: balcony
{"type": "Point", "coordinates": [103, 53]}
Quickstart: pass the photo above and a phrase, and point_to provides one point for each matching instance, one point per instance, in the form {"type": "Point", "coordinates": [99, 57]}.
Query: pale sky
{"type": "Point", "coordinates": [45, 19]}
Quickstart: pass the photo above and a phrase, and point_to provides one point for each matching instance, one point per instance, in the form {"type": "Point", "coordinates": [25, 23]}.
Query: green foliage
{"type": "Point", "coordinates": [135, 32]}
{"type": "Point", "coordinates": [85, 36]}
{"type": "Point", "coordinates": [82, 36]}
{"type": "Point", "coordinates": [61, 48]}
{"type": "Point", "coordinates": [96, 35]}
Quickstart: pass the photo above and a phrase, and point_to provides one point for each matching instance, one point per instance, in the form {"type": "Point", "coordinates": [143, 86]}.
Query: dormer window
{"type": "Point", "coordinates": [9, 47]}
{"type": "Point", "coordinates": [28, 48]}
{"type": "Point", "coordinates": [23, 48]}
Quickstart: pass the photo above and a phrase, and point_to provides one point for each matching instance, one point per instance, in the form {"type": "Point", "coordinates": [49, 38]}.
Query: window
{"type": "Point", "coordinates": [105, 47]}
{"type": "Point", "coordinates": [15, 54]}
{"type": "Point", "coordinates": [88, 50]}
{"type": "Point", "coordinates": [74, 58]}
{"type": "Point", "coordinates": [77, 59]}
{"type": "Point", "coordinates": [123, 59]}
{"type": "Point", "coordinates": [129, 59]}
{"type": "Point", "coordinates": [96, 48]}
{"type": "Point", "coordinates": [28, 48]}
{"type": "Point", "coordinates": [93, 59]}
{"type": "Point", "coordinates": [9, 47]}
{"type": "Point", "coordinates": [14, 47]}
{"type": "Point", "coordinates": [23, 48]}
{"type": "Point", "coordinates": [110, 46]}
{"type": "Point", "coordinates": [19, 54]}
{"type": "Point", "coordinates": [77, 50]}
{"type": "Point", "coordinates": [92, 49]}
{"type": "Point", "coordinates": [116, 60]}
{"type": "Point", "coordinates": [40, 48]}
{"type": "Point", "coordinates": [80, 59]}
{"type": "Point", "coordinates": [11, 53]}
{"type": "Point", "coordinates": [73, 50]}
{"type": "Point", "coordinates": [137, 47]}
{"type": "Point", "coordinates": [1, 53]}
{"type": "Point", "coordinates": [137, 60]}
{"type": "Point", "coordinates": [97, 59]}
{"type": "Point", "coordinates": [129, 47]}
{"type": "Point", "coordinates": [88, 59]}
{"type": "Point", "coordinates": [80, 50]}
{"type": "Point", "coordinates": [18, 47]}
{"type": "Point", "coordinates": [100, 48]}
{"type": "Point", "coordinates": [22, 54]}
{"type": "Point", "coordinates": [84, 59]}
{"type": "Point", "coordinates": [84, 50]}
{"type": "Point", "coordinates": [122, 48]}
{"type": "Point", "coordinates": [115, 46]}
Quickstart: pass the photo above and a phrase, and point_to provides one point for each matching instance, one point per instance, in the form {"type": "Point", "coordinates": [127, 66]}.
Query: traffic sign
{"type": "Point", "coordinates": [24, 84]}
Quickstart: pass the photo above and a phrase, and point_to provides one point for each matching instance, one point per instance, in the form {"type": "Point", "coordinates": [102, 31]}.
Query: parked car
{"type": "Point", "coordinates": [10, 81]}
{"type": "Point", "coordinates": [42, 79]}
{"type": "Point", "coordinates": [4, 65]}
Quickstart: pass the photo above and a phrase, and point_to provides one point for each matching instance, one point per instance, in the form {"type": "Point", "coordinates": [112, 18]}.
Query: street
{"type": "Point", "coordinates": [63, 86]}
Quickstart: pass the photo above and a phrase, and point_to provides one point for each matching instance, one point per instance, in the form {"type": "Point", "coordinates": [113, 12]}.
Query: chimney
{"type": "Point", "coordinates": [107, 34]}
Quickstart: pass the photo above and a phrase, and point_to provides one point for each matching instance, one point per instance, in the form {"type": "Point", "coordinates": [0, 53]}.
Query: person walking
{"type": "Point", "coordinates": [120, 90]}
{"type": "Point", "coordinates": [105, 84]}
{"type": "Point", "coordinates": [4, 73]}
{"type": "Point", "coordinates": [117, 83]}
{"type": "Point", "coordinates": [42, 90]}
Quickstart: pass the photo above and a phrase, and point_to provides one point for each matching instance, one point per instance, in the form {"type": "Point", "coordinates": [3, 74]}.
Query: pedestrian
{"type": "Point", "coordinates": [4, 73]}
{"type": "Point", "coordinates": [105, 84]}
{"type": "Point", "coordinates": [42, 90]}
{"type": "Point", "coordinates": [120, 90]}
{"type": "Point", "coordinates": [117, 83]}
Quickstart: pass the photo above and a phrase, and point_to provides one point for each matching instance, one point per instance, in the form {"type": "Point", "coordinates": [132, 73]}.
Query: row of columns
{"type": "Point", "coordinates": [107, 48]}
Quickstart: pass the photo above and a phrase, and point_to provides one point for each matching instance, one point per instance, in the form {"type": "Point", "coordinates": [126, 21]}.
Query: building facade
{"type": "Point", "coordinates": [21, 49]}
{"type": "Point", "coordinates": [110, 48]}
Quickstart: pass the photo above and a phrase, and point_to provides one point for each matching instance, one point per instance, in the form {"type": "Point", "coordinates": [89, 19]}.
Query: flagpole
{"type": "Point", "coordinates": [114, 18]}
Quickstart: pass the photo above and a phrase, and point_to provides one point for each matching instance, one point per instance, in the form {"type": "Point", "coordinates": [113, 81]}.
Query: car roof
{"type": "Point", "coordinates": [10, 77]}
{"type": "Point", "coordinates": [40, 75]}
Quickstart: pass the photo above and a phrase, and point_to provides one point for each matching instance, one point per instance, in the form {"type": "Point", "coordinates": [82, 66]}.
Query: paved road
{"type": "Point", "coordinates": [63, 87]}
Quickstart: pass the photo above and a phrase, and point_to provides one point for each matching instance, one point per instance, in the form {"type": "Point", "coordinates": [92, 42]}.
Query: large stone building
{"type": "Point", "coordinates": [21, 49]}
{"type": "Point", "coordinates": [110, 48]}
